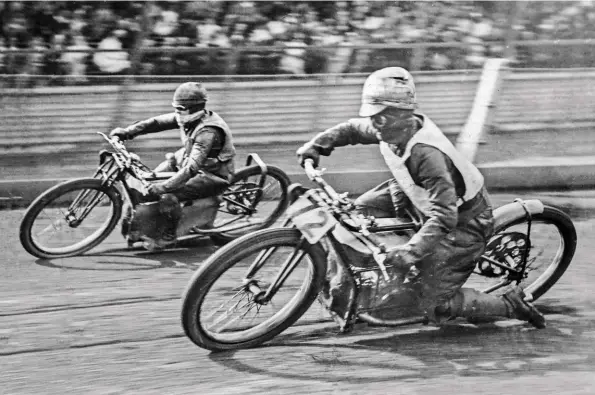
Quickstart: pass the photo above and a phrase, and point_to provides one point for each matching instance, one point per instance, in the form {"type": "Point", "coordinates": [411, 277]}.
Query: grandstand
{"type": "Point", "coordinates": [71, 42]}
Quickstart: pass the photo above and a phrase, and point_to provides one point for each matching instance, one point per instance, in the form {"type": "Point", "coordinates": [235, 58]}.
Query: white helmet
{"type": "Point", "coordinates": [388, 87]}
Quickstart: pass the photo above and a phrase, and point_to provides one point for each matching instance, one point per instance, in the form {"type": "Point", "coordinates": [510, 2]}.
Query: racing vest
{"type": "Point", "coordinates": [210, 118]}
{"type": "Point", "coordinates": [431, 135]}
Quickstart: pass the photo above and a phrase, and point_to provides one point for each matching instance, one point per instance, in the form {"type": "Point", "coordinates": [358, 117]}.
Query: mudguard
{"type": "Point", "coordinates": [516, 210]}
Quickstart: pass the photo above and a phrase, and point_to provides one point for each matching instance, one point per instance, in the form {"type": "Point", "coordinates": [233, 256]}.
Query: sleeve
{"type": "Point", "coordinates": [429, 168]}
{"type": "Point", "coordinates": [354, 131]}
{"type": "Point", "coordinates": [400, 200]}
{"type": "Point", "coordinates": [203, 143]}
{"type": "Point", "coordinates": [153, 125]}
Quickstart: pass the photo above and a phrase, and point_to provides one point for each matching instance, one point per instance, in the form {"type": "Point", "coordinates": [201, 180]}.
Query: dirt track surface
{"type": "Point", "coordinates": [108, 323]}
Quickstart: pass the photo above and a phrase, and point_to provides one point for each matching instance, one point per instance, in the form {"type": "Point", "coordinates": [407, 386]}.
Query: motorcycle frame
{"type": "Point", "coordinates": [113, 174]}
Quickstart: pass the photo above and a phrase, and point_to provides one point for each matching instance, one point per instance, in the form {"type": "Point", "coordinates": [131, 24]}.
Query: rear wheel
{"type": "Point", "coordinates": [225, 307]}
{"type": "Point", "coordinates": [552, 244]}
{"type": "Point", "coordinates": [70, 218]}
{"type": "Point", "coordinates": [252, 202]}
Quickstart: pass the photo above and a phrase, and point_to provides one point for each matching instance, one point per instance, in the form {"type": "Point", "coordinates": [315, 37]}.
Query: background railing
{"type": "Point", "coordinates": [284, 109]}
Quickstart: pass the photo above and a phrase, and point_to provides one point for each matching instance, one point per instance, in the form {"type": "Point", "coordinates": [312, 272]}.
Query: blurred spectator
{"type": "Point", "coordinates": [3, 50]}
{"type": "Point", "coordinates": [114, 62]}
{"type": "Point", "coordinates": [481, 26]}
{"type": "Point", "coordinates": [104, 21]}
{"type": "Point", "coordinates": [292, 60]}
{"type": "Point", "coordinates": [166, 22]}
{"type": "Point", "coordinates": [439, 61]}
{"type": "Point", "coordinates": [36, 60]}
{"type": "Point", "coordinates": [78, 23]}
{"type": "Point", "coordinates": [341, 57]}
{"type": "Point", "coordinates": [53, 65]}
{"type": "Point", "coordinates": [219, 39]}
{"type": "Point", "coordinates": [75, 59]}
{"type": "Point", "coordinates": [207, 30]}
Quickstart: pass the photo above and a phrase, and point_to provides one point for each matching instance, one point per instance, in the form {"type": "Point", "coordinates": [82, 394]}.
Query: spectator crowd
{"type": "Point", "coordinates": [72, 41]}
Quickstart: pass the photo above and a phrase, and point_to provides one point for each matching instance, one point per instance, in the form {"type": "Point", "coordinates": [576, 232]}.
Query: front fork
{"type": "Point", "coordinates": [110, 176]}
{"type": "Point", "coordinates": [262, 296]}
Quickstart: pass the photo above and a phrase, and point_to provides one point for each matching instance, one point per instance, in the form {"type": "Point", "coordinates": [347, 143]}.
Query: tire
{"type": "Point", "coordinates": [225, 260]}
{"type": "Point", "coordinates": [53, 195]}
{"type": "Point", "coordinates": [243, 174]}
{"type": "Point", "coordinates": [563, 256]}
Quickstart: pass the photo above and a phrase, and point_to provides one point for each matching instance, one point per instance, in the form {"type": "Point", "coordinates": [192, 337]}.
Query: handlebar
{"type": "Point", "coordinates": [130, 160]}
{"type": "Point", "coordinates": [315, 175]}
{"type": "Point", "coordinates": [357, 223]}
{"type": "Point", "coordinates": [311, 172]}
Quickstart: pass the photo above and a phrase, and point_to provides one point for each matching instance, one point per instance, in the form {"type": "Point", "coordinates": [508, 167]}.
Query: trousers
{"type": "Point", "coordinates": [444, 272]}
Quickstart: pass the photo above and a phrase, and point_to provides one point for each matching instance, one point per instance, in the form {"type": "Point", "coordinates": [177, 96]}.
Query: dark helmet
{"type": "Point", "coordinates": [190, 94]}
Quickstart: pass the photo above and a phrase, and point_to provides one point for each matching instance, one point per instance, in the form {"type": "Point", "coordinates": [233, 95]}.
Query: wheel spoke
{"type": "Point", "coordinates": [71, 222]}
{"type": "Point", "coordinates": [224, 303]}
{"type": "Point", "coordinates": [501, 267]}
{"type": "Point", "coordinates": [281, 270]}
{"type": "Point", "coordinates": [250, 306]}
{"type": "Point", "coordinates": [258, 207]}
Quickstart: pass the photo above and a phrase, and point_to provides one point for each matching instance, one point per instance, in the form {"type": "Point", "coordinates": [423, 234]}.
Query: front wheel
{"type": "Point", "coordinates": [70, 218]}
{"type": "Point", "coordinates": [252, 289]}
{"type": "Point", "coordinates": [551, 246]}
{"type": "Point", "coordinates": [252, 202]}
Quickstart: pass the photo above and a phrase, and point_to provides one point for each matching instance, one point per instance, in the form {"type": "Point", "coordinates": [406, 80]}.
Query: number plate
{"type": "Point", "coordinates": [313, 221]}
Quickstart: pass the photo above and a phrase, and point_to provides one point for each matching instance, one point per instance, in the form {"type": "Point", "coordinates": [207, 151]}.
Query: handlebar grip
{"type": "Point", "coordinates": [309, 168]}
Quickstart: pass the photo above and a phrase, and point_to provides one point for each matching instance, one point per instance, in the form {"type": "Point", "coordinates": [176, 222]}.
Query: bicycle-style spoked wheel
{"type": "Point", "coordinates": [252, 289]}
{"type": "Point", "coordinates": [551, 246]}
{"type": "Point", "coordinates": [252, 202]}
{"type": "Point", "coordinates": [70, 219]}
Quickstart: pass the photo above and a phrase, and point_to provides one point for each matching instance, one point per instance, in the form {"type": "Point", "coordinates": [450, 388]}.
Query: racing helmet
{"type": "Point", "coordinates": [189, 94]}
{"type": "Point", "coordinates": [388, 87]}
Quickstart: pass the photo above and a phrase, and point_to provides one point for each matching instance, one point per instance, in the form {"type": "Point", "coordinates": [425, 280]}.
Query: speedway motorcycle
{"type": "Point", "coordinates": [257, 286]}
{"type": "Point", "coordinates": [76, 215]}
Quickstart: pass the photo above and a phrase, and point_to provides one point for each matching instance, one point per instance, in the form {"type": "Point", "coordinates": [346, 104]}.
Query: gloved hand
{"type": "Point", "coordinates": [121, 133]}
{"type": "Point", "coordinates": [308, 151]}
{"type": "Point", "coordinates": [156, 189]}
{"type": "Point", "coordinates": [395, 258]}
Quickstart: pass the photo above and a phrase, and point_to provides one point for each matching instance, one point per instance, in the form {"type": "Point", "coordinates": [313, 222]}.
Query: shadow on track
{"type": "Point", "coordinates": [186, 254]}
{"type": "Point", "coordinates": [370, 355]}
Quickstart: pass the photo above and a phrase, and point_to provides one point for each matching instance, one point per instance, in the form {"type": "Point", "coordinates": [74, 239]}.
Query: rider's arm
{"type": "Point", "coordinates": [354, 131]}
{"type": "Point", "coordinates": [205, 140]}
{"type": "Point", "coordinates": [152, 125]}
{"type": "Point", "coordinates": [431, 169]}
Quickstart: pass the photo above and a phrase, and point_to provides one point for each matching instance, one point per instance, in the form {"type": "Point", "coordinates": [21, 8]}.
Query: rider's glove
{"type": "Point", "coordinates": [308, 151]}
{"type": "Point", "coordinates": [395, 258]}
{"type": "Point", "coordinates": [121, 133]}
{"type": "Point", "coordinates": [156, 189]}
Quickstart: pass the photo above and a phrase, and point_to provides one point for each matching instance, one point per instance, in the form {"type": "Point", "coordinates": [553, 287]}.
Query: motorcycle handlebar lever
{"type": "Point", "coordinates": [311, 172]}
{"type": "Point", "coordinates": [315, 175]}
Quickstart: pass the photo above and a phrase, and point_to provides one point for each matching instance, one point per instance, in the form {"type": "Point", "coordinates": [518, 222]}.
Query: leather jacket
{"type": "Point", "coordinates": [430, 169]}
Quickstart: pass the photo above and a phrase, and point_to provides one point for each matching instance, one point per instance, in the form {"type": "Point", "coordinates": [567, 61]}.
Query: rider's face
{"type": "Point", "coordinates": [185, 115]}
{"type": "Point", "coordinates": [391, 124]}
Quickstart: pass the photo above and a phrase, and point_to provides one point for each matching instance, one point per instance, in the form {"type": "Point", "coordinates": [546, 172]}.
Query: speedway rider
{"type": "Point", "coordinates": [431, 176]}
{"type": "Point", "coordinates": [203, 166]}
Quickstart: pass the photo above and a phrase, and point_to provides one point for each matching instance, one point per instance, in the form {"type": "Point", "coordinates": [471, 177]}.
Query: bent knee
{"type": "Point", "coordinates": [168, 202]}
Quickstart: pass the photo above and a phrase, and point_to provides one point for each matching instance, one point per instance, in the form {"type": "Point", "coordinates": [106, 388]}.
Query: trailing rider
{"type": "Point", "coordinates": [204, 165]}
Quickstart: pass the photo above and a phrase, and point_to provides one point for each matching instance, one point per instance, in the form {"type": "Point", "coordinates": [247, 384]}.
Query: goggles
{"type": "Point", "coordinates": [180, 108]}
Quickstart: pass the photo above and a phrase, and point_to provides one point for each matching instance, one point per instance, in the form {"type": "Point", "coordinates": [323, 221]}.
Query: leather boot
{"type": "Point", "coordinates": [171, 213]}
{"type": "Point", "coordinates": [479, 306]}
{"type": "Point", "coordinates": [522, 309]}
{"type": "Point", "coordinates": [473, 305]}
